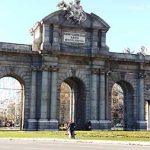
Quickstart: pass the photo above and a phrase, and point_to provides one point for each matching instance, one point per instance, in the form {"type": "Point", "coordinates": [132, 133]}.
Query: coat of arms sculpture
{"type": "Point", "coordinates": [74, 11]}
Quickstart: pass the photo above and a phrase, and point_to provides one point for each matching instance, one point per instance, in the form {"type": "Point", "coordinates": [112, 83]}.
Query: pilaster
{"type": "Point", "coordinates": [43, 121]}
{"type": "Point", "coordinates": [46, 38]}
{"type": "Point", "coordinates": [95, 47]}
{"type": "Point", "coordinates": [32, 121]}
{"type": "Point", "coordinates": [94, 100]}
{"type": "Point", "coordinates": [102, 96]}
{"type": "Point", "coordinates": [53, 115]}
{"type": "Point", "coordinates": [104, 49]}
{"type": "Point", "coordinates": [103, 38]}
{"type": "Point", "coordinates": [104, 124]}
{"type": "Point", "coordinates": [141, 123]}
{"type": "Point", "coordinates": [56, 38]}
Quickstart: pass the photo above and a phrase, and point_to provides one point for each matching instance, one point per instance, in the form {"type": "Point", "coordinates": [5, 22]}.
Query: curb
{"type": "Point", "coordinates": [82, 141]}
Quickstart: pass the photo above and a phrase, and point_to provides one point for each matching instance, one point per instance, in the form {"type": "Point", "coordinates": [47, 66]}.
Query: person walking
{"type": "Point", "coordinates": [71, 130]}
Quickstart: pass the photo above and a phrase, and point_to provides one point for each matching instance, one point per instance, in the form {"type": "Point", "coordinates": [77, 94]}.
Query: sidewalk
{"type": "Point", "coordinates": [82, 141]}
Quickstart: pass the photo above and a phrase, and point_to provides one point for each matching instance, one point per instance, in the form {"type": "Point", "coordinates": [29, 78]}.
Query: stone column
{"type": "Point", "coordinates": [107, 94]}
{"type": "Point", "coordinates": [148, 126]}
{"type": "Point", "coordinates": [43, 121]}
{"type": "Point", "coordinates": [102, 96]}
{"type": "Point", "coordinates": [46, 38]}
{"type": "Point", "coordinates": [53, 115]}
{"type": "Point", "coordinates": [108, 121]}
{"type": "Point", "coordinates": [56, 37]}
{"type": "Point", "coordinates": [141, 97]}
{"type": "Point", "coordinates": [104, 123]}
{"type": "Point", "coordinates": [94, 101]}
{"type": "Point", "coordinates": [32, 122]}
{"type": "Point", "coordinates": [141, 123]}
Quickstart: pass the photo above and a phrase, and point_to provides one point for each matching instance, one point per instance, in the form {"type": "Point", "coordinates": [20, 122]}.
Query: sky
{"type": "Point", "coordinates": [129, 20]}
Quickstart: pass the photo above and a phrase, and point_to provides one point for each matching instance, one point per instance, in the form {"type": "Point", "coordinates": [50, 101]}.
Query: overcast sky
{"type": "Point", "coordinates": [129, 20]}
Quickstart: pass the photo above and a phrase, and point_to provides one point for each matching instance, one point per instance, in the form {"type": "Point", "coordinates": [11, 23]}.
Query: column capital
{"type": "Point", "coordinates": [45, 68]}
{"type": "Point", "coordinates": [102, 72]}
{"type": "Point", "coordinates": [95, 70]}
{"type": "Point", "coordinates": [95, 31]}
{"type": "Point", "coordinates": [48, 68]}
{"type": "Point", "coordinates": [34, 68]}
{"type": "Point", "coordinates": [103, 30]}
{"type": "Point", "coordinates": [56, 26]}
{"type": "Point", "coordinates": [53, 68]}
{"type": "Point", "coordinates": [141, 75]}
{"type": "Point", "coordinates": [108, 73]}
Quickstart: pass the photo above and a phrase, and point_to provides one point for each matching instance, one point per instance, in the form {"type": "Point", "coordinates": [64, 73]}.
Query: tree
{"type": "Point", "coordinates": [117, 105]}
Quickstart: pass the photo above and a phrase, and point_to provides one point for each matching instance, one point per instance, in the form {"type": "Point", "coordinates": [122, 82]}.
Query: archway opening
{"type": "Point", "coordinates": [117, 107]}
{"type": "Point", "coordinates": [11, 104]}
{"type": "Point", "coordinates": [72, 103]}
{"type": "Point", "coordinates": [122, 106]}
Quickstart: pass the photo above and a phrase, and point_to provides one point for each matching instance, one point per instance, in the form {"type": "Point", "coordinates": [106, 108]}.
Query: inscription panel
{"type": "Point", "coordinates": [76, 40]}
{"type": "Point", "coordinates": [70, 37]}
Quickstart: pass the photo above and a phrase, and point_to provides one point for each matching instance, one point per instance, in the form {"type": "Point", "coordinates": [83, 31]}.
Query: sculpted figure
{"type": "Point", "coordinates": [62, 5]}
{"type": "Point", "coordinates": [74, 10]}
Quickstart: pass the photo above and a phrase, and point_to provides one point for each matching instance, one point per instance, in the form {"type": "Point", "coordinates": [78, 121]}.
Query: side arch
{"type": "Point", "coordinates": [12, 102]}
{"type": "Point", "coordinates": [23, 75]}
{"type": "Point", "coordinates": [128, 104]}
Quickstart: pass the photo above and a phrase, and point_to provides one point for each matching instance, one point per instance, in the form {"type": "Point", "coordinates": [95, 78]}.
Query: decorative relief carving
{"type": "Point", "coordinates": [75, 13]}
{"type": "Point", "coordinates": [54, 68]}
{"type": "Point", "coordinates": [12, 70]}
{"type": "Point", "coordinates": [122, 75]}
{"type": "Point", "coordinates": [73, 71]}
{"type": "Point", "coordinates": [44, 68]}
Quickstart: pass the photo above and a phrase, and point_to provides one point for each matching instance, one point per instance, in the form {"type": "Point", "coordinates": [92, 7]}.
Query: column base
{"type": "Point", "coordinates": [32, 124]}
{"type": "Point", "coordinates": [43, 124]}
{"type": "Point", "coordinates": [101, 124]}
{"type": "Point", "coordinates": [141, 125]}
{"type": "Point", "coordinates": [94, 124]}
{"type": "Point", "coordinates": [54, 124]}
{"type": "Point", "coordinates": [105, 124]}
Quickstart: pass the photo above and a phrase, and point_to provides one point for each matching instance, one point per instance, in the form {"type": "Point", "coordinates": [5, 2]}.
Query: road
{"type": "Point", "coordinates": [59, 145]}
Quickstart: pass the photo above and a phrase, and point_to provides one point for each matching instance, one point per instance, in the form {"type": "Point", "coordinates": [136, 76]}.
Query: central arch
{"type": "Point", "coordinates": [72, 102]}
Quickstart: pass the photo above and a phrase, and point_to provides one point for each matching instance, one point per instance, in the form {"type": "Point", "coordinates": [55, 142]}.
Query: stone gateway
{"type": "Point", "coordinates": [68, 74]}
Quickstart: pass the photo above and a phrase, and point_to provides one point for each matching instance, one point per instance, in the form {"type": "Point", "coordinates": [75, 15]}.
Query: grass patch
{"type": "Point", "coordinates": [116, 135]}
{"type": "Point", "coordinates": [33, 134]}
{"type": "Point", "coordinates": [84, 135]}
